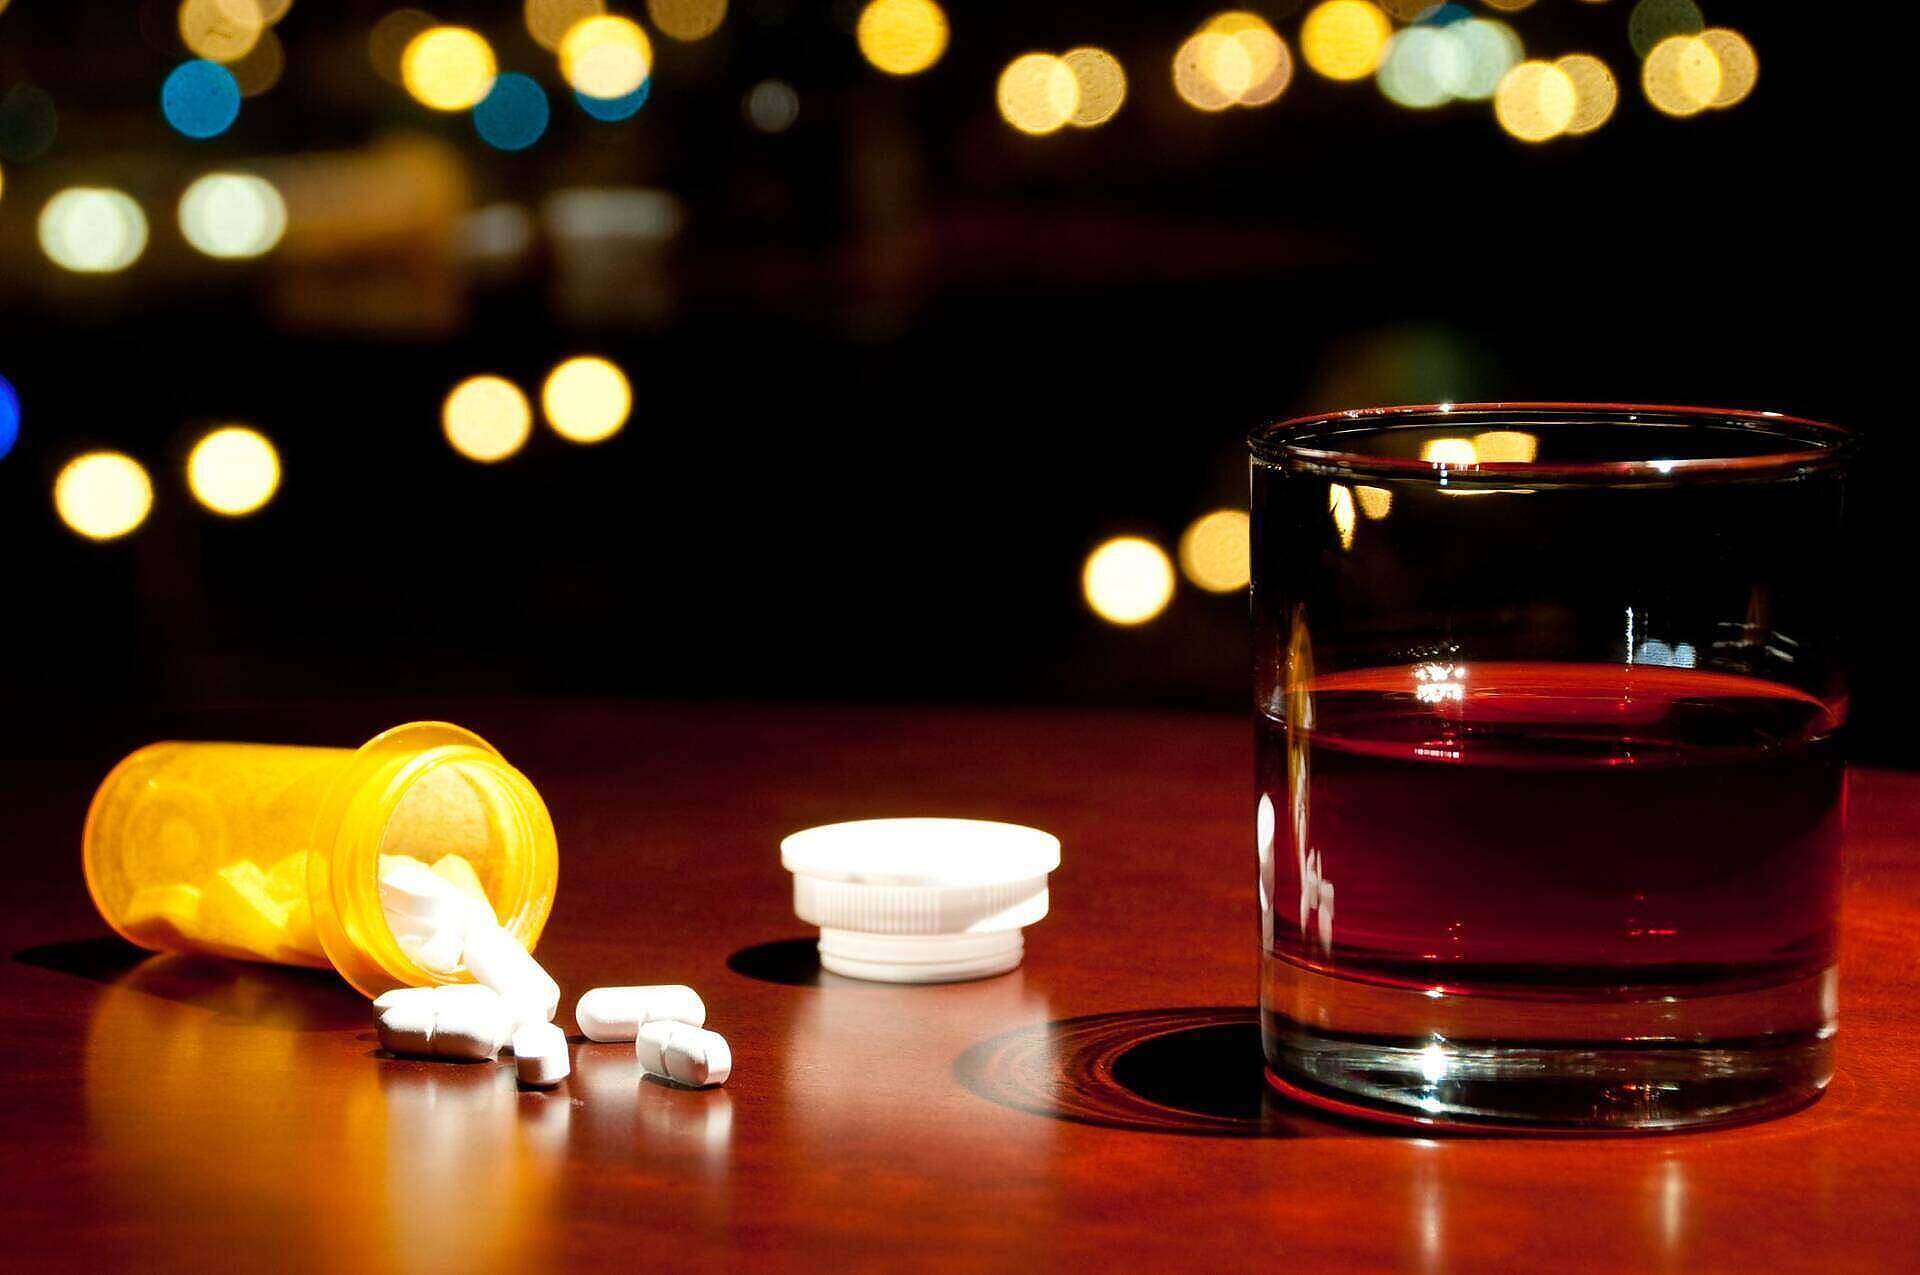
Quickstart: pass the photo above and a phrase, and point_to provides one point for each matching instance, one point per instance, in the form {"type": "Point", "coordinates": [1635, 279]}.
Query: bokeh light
{"type": "Point", "coordinates": [1655, 20]}
{"type": "Point", "coordinates": [1214, 551]}
{"type": "Point", "coordinates": [200, 98]}
{"type": "Point", "coordinates": [902, 37]}
{"type": "Point", "coordinates": [1037, 93]}
{"type": "Point", "coordinates": [771, 106]}
{"type": "Point", "coordinates": [1535, 101]}
{"type": "Point", "coordinates": [28, 123]}
{"type": "Point", "coordinates": [606, 57]}
{"type": "Point", "coordinates": [1450, 451]}
{"type": "Point", "coordinates": [92, 230]}
{"type": "Point", "coordinates": [486, 418]}
{"type": "Point", "coordinates": [1508, 6]}
{"type": "Point", "coordinates": [1739, 65]}
{"type": "Point", "coordinates": [1127, 580]}
{"type": "Point", "coordinates": [1375, 502]}
{"type": "Point", "coordinates": [687, 20]}
{"type": "Point", "coordinates": [261, 68]}
{"type": "Point", "coordinates": [586, 399]}
{"type": "Point", "coordinates": [1488, 49]}
{"type": "Point", "coordinates": [1504, 447]}
{"type": "Point", "coordinates": [1428, 64]}
{"type": "Point", "coordinates": [221, 30]}
{"type": "Point", "coordinates": [1235, 58]}
{"type": "Point", "coordinates": [9, 417]}
{"type": "Point", "coordinates": [1344, 39]}
{"type": "Point", "coordinates": [1101, 83]}
{"type": "Point", "coordinates": [3, 183]}
{"type": "Point", "coordinates": [233, 470]}
{"type": "Point", "coordinates": [233, 215]}
{"type": "Point", "coordinates": [448, 68]}
{"type": "Point", "coordinates": [513, 114]}
{"type": "Point", "coordinates": [387, 42]}
{"type": "Point", "coordinates": [611, 110]}
{"type": "Point", "coordinates": [1681, 76]}
{"type": "Point", "coordinates": [102, 495]}
{"type": "Point", "coordinates": [1595, 93]}
{"type": "Point", "coordinates": [548, 21]}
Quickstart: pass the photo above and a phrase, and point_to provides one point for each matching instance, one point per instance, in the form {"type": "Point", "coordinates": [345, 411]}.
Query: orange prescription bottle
{"type": "Point", "coordinates": [265, 852]}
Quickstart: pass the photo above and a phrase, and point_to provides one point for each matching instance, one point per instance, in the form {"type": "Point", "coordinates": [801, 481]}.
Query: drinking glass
{"type": "Point", "coordinates": [1550, 794]}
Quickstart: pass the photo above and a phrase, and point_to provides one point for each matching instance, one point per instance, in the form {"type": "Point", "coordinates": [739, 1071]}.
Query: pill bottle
{"type": "Point", "coordinates": [266, 852]}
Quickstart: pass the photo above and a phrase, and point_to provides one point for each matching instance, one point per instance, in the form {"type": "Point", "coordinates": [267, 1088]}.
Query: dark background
{"type": "Point", "coordinates": [900, 368]}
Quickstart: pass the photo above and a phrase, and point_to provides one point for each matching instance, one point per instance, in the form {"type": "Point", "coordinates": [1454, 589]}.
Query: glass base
{"type": "Point", "coordinates": [1536, 1065]}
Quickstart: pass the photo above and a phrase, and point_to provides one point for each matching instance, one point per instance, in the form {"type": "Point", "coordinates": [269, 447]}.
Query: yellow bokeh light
{"type": "Point", "coordinates": [1256, 71]}
{"type": "Point", "coordinates": [233, 215]}
{"type": "Point", "coordinates": [233, 470]}
{"type": "Point", "coordinates": [687, 20]}
{"type": "Point", "coordinates": [1127, 580]}
{"type": "Point", "coordinates": [1375, 502]}
{"type": "Point", "coordinates": [1535, 101]}
{"type": "Point", "coordinates": [1595, 94]}
{"type": "Point", "coordinates": [1450, 451]}
{"type": "Point", "coordinates": [1037, 93]}
{"type": "Point", "coordinates": [221, 30]}
{"type": "Point", "coordinates": [261, 68]}
{"type": "Point", "coordinates": [1214, 551]}
{"type": "Point", "coordinates": [548, 21]}
{"type": "Point", "coordinates": [606, 57]}
{"type": "Point", "coordinates": [1505, 447]}
{"type": "Point", "coordinates": [103, 495]}
{"type": "Point", "coordinates": [1508, 6]}
{"type": "Point", "coordinates": [92, 230]}
{"type": "Point", "coordinates": [387, 42]}
{"type": "Point", "coordinates": [1681, 76]}
{"type": "Point", "coordinates": [1343, 39]}
{"type": "Point", "coordinates": [448, 68]}
{"type": "Point", "coordinates": [586, 399]}
{"type": "Point", "coordinates": [1101, 83]}
{"type": "Point", "coordinates": [3, 181]}
{"type": "Point", "coordinates": [1198, 65]}
{"type": "Point", "coordinates": [1739, 65]}
{"type": "Point", "coordinates": [902, 37]}
{"type": "Point", "coordinates": [1340, 505]}
{"type": "Point", "coordinates": [486, 418]}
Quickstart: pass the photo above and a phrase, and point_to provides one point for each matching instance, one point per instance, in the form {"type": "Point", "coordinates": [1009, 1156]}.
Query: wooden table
{"type": "Point", "coordinates": [1102, 1105]}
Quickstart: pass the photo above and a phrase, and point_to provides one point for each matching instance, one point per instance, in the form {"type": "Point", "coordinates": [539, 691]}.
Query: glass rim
{"type": "Point", "coordinates": [1808, 445]}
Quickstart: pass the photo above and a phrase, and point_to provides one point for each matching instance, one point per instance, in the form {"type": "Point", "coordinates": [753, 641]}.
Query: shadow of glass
{"type": "Point", "coordinates": [300, 1000]}
{"type": "Point", "coordinates": [1191, 1071]}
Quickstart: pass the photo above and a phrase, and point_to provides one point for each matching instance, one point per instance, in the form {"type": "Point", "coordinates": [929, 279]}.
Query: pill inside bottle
{"type": "Point", "coordinates": [274, 853]}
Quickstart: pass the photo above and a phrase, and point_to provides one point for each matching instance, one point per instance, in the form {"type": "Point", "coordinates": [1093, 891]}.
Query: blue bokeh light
{"type": "Point", "coordinates": [9, 417]}
{"type": "Point", "coordinates": [612, 109]}
{"type": "Point", "coordinates": [1442, 15]}
{"type": "Point", "coordinates": [513, 114]}
{"type": "Point", "coordinates": [200, 98]}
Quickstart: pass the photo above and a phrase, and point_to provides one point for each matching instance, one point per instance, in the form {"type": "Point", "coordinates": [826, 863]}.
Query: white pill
{"type": "Point", "coordinates": [407, 1027]}
{"type": "Point", "coordinates": [540, 1054]}
{"type": "Point", "coordinates": [495, 959]}
{"type": "Point", "coordinates": [616, 1013]}
{"type": "Point", "coordinates": [402, 996]}
{"type": "Point", "coordinates": [684, 1053]}
{"type": "Point", "coordinates": [416, 897]}
{"type": "Point", "coordinates": [453, 1021]}
{"type": "Point", "coordinates": [436, 950]}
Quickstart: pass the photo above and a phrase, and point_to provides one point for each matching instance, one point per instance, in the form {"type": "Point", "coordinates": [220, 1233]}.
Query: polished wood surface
{"type": "Point", "coordinates": [1101, 1105]}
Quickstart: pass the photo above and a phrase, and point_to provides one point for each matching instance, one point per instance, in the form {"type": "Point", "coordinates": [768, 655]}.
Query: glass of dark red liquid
{"type": "Point", "coordinates": [1550, 793]}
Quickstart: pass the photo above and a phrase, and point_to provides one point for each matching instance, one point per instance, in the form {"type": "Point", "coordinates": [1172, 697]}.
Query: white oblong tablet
{"type": "Point", "coordinates": [689, 1055]}
{"type": "Point", "coordinates": [617, 1013]}
{"type": "Point", "coordinates": [495, 959]}
{"type": "Point", "coordinates": [540, 1055]}
{"type": "Point", "coordinates": [407, 1027]}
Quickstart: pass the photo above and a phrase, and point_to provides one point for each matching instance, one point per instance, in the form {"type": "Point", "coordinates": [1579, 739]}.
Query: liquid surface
{"type": "Point", "coordinates": [1552, 829]}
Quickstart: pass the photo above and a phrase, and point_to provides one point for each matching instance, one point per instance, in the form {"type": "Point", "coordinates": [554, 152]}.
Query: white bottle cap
{"type": "Point", "coordinates": [920, 900]}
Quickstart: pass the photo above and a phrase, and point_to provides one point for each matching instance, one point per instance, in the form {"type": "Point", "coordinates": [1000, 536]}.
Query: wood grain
{"type": "Point", "coordinates": [1101, 1105]}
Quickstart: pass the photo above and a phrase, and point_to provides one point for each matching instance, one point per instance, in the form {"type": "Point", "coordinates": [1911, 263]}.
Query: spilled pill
{"type": "Point", "coordinates": [540, 1054]}
{"type": "Point", "coordinates": [616, 1013]}
{"type": "Point", "coordinates": [453, 1021]}
{"type": "Point", "coordinates": [684, 1053]}
{"type": "Point", "coordinates": [496, 960]}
